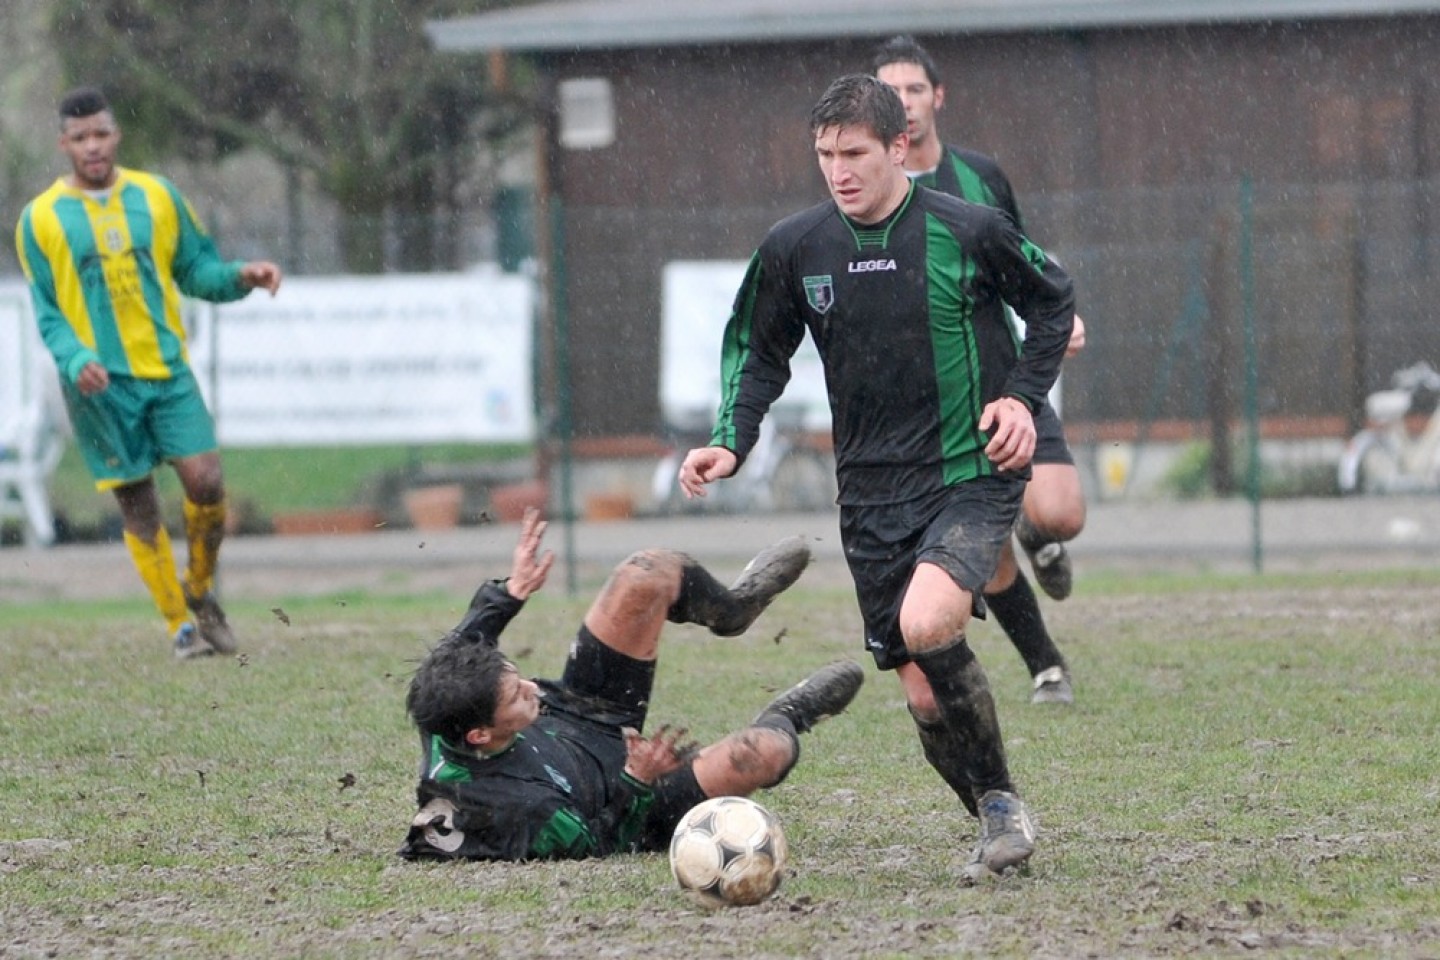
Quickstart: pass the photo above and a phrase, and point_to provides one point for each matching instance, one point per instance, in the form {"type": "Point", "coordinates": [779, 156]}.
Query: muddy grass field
{"type": "Point", "coordinates": [1251, 768]}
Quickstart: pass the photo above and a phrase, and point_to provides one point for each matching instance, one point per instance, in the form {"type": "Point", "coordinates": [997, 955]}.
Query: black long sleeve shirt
{"type": "Point", "coordinates": [909, 321]}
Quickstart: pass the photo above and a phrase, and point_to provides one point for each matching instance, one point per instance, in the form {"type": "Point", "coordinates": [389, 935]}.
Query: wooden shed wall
{"type": "Point", "coordinates": [1128, 149]}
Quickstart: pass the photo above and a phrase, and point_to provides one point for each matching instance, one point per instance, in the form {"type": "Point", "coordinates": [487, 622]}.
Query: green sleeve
{"type": "Point", "coordinates": [197, 268]}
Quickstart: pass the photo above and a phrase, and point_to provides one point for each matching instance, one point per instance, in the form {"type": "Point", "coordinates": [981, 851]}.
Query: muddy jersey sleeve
{"type": "Point", "coordinates": [491, 610]}
{"type": "Point", "coordinates": [763, 333]}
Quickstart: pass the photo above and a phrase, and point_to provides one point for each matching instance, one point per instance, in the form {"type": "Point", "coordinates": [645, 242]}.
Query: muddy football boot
{"type": "Point", "coordinates": [1052, 686]}
{"type": "Point", "coordinates": [1051, 564]}
{"type": "Point", "coordinates": [211, 621]}
{"type": "Point", "coordinates": [825, 693]}
{"type": "Point", "coordinates": [774, 570]}
{"type": "Point", "coordinates": [1007, 837]}
{"type": "Point", "coordinates": [1049, 560]}
{"type": "Point", "coordinates": [188, 644]}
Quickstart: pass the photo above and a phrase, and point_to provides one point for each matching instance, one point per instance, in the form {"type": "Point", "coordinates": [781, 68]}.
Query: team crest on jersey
{"type": "Point", "coordinates": [820, 293]}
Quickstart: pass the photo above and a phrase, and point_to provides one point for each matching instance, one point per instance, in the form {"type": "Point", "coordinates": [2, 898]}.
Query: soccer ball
{"type": "Point", "coordinates": [728, 851]}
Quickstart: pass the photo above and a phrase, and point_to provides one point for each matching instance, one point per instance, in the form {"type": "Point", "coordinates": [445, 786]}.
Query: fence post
{"type": "Point", "coordinates": [1252, 362]}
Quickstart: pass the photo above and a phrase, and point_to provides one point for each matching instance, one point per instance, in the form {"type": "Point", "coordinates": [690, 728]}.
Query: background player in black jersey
{"type": "Point", "coordinates": [516, 769]}
{"type": "Point", "coordinates": [903, 289]}
{"type": "Point", "coordinates": [1054, 509]}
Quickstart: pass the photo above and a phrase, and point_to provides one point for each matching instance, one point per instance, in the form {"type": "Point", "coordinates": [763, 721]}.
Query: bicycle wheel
{"type": "Point", "coordinates": [803, 481]}
{"type": "Point", "coordinates": [1380, 470]}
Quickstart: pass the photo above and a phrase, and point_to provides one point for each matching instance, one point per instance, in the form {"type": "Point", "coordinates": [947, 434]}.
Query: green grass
{"type": "Point", "coordinates": [264, 481]}
{"type": "Point", "coordinates": [1251, 765]}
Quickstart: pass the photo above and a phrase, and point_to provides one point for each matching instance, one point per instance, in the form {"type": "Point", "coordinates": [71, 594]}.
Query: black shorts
{"type": "Point", "coordinates": [600, 693]}
{"type": "Point", "coordinates": [960, 529]}
{"type": "Point", "coordinates": [1050, 445]}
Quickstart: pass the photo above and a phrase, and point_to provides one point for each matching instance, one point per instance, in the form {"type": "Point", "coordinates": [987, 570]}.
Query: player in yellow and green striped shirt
{"type": "Point", "coordinates": [108, 252]}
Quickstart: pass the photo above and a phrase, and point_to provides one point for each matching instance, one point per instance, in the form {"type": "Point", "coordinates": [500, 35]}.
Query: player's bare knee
{"type": "Point", "coordinates": [1057, 519]}
{"type": "Point", "coordinates": [649, 574]}
{"type": "Point", "coordinates": [1062, 525]}
{"type": "Point", "coordinates": [928, 629]}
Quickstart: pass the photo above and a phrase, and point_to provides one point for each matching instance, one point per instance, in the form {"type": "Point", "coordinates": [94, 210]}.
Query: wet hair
{"type": "Point", "coordinates": [860, 100]}
{"type": "Point", "coordinates": [905, 49]}
{"type": "Point", "coordinates": [83, 102]}
{"type": "Point", "coordinates": [456, 688]}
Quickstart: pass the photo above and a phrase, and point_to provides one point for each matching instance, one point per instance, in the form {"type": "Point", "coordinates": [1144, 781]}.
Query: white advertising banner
{"type": "Point", "coordinates": [696, 297]}
{"type": "Point", "coordinates": [386, 359]}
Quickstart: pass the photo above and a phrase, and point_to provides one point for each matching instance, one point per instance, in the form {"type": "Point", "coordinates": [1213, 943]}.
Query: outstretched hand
{"type": "Point", "coordinates": [529, 566]}
{"type": "Point", "coordinates": [705, 465]}
{"type": "Point", "coordinates": [649, 758]}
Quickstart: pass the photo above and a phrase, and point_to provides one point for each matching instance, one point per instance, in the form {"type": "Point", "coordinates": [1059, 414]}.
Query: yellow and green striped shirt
{"type": "Point", "coordinates": [106, 274]}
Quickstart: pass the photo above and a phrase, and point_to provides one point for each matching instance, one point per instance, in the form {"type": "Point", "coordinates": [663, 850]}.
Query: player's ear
{"type": "Point", "coordinates": [478, 736]}
{"type": "Point", "coordinates": [899, 147]}
{"type": "Point", "coordinates": [939, 95]}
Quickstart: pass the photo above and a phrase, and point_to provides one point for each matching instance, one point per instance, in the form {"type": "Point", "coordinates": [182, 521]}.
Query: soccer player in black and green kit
{"type": "Point", "coordinates": [1054, 509]}
{"type": "Point", "coordinates": [514, 769]}
{"type": "Point", "coordinates": [903, 289]}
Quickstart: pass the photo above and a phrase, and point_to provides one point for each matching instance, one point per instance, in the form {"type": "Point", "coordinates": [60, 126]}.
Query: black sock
{"type": "Point", "coordinates": [947, 755]}
{"type": "Point", "coordinates": [703, 599]}
{"type": "Point", "coordinates": [1018, 613]}
{"type": "Point", "coordinates": [1029, 535]}
{"type": "Point", "coordinates": [778, 721]}
{"type": "Point", "coordinates": [962, 693]}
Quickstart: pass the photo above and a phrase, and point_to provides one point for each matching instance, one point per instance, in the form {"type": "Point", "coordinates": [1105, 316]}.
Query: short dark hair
{"type": "Point", "coordinates": [860, 100]}
{"type": "Point", "coordinates": [905, 49]}
{"type": "Point", "coordinates": [456, 688]}
{"type": "Point", "coordinates": [83, 102]}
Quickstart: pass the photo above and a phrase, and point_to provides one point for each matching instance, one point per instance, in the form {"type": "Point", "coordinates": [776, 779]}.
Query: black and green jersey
{"type": "Point", "coordinates": [548, 796]}
{"type": "Point", "coordinates": [558, 791]}
{"type": "Point", "coordinates": [908, 317]}
{"type": "Point", "coordinates": [975, 177]}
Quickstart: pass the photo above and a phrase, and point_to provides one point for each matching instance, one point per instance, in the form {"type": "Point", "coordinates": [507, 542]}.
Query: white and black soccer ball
{"type": "Point", "coordinates": [728, 851]}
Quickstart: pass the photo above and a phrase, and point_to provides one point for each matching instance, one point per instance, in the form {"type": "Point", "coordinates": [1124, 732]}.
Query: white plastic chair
{"type": "Point", "coordinates": [32, 434]}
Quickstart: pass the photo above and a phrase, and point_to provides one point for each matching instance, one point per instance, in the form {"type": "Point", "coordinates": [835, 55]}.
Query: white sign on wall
{"type": "Point", "coordinates": [696, 298]}
{"type": "Point", "coordinates": [386, 359]}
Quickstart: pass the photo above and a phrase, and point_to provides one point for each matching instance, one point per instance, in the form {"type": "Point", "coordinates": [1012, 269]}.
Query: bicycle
{"type": "Point", "coordinates": [787, 471]}
{"type": "Point", "coordinates": [1385, 457]}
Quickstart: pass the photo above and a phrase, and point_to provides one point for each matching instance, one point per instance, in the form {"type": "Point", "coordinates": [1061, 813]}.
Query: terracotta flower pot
{"type": "Point", "coordinates": [609, 506]}
{"type": "Point", "coordinates": [508, 502]}
{"type": "Point", "coordinates": [434, 508]}
{"type": "Point", "coordinates": [342, 520]}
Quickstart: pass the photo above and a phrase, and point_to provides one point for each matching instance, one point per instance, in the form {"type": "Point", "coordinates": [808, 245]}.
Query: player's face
{"type": "Point", "coordinates": [515, 709]}
{"type": "Point", "coordinates": [91, 143]}
{"type": "Point", "coordinates": [920, 98]}
{"type": "Point", "coordinates": [866, 177]}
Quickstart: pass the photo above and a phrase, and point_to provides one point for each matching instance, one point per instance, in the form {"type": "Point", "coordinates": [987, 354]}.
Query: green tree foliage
{"type": "Point", "coordinates": [348, 92]}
